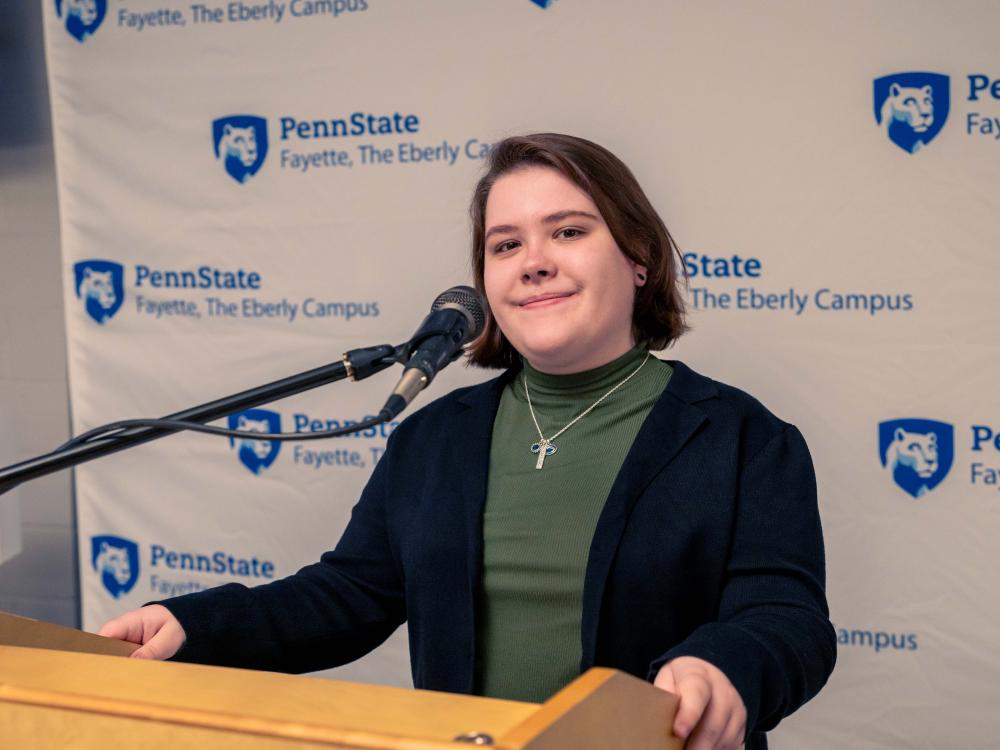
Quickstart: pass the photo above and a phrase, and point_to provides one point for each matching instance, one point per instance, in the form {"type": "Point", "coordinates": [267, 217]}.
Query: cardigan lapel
{"type": "Point", "coordinates": [672, 421]}
{"type": "Point", "coordinates": [475, 425]}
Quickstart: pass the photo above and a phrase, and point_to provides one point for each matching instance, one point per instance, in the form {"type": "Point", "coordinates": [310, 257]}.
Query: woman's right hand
{"type": "Point", "coordinates": [153, 627]}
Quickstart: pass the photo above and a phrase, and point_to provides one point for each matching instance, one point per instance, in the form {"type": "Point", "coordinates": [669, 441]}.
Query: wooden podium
{"type": "Point", "coordinates": [62, 688]}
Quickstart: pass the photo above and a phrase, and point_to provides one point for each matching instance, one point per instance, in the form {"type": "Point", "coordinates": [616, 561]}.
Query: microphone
{"type": "Point", "coordinates": [456, 318]}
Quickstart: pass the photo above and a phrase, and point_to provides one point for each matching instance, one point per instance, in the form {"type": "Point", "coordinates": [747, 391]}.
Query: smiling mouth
{"type": "Point", "coordinates": [545, 300]}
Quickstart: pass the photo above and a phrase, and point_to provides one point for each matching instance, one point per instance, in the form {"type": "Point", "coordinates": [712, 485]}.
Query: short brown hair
{"type": "Point", "coordinates": [658, 315]}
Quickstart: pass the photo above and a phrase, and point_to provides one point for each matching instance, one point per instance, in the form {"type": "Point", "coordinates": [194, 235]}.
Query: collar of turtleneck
{"type": "Point", "coordinates": [588, 383]}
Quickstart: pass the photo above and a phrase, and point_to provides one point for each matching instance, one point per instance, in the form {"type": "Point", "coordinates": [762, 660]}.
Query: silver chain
{"type": "Point", "coordinates": [543, 441]}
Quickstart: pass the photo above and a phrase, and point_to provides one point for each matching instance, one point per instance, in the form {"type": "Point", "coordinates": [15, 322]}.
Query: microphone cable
{"type": "Point", "coordinates": [114, 430]}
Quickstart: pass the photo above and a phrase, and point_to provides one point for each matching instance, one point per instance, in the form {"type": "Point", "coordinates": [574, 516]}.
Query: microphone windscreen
{"type": "Point", "coordinates": [469, 301]}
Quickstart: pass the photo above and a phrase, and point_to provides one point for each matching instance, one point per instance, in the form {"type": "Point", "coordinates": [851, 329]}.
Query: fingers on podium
{"type": "Point", "coordinates": [153, 627]}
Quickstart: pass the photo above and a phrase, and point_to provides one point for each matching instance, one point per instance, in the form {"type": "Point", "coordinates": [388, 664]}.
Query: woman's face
{"type": "Point", "coordinates": [559, 287]}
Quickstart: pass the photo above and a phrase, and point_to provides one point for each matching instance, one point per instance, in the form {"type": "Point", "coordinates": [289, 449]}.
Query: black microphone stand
{"type": "Point", "coordinates": [356, 364]}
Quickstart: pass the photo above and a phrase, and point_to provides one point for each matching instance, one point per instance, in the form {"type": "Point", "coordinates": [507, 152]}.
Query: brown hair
{"type": "Point", "coordinates": [658, 315]}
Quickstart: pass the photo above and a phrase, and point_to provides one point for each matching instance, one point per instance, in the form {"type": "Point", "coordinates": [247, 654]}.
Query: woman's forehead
{"type": "Point", "coordinates": [533, 193]}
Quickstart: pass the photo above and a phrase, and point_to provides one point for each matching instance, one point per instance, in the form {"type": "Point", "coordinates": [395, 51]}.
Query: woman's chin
{"type": "Point", "coordinates": [554, 356]}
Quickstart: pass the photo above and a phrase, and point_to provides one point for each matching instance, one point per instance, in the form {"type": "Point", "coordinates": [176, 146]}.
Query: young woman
{"type": "Point", "coordinates": [593, 505]}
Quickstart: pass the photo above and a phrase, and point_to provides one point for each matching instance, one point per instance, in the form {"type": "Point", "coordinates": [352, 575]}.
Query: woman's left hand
{"type": "Point", "coordinates": [711, 714]}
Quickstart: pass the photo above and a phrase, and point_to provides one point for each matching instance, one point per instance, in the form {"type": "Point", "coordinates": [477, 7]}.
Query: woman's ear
{"type": "Point", "coordinates": [640, 275]}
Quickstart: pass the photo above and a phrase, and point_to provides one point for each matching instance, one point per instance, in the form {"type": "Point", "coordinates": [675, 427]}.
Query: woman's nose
{"type": "Point", "coordinates": [537, 263]}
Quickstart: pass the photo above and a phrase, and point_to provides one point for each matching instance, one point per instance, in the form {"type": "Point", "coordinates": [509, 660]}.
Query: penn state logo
{"type": "Point", "coordinates": [256, 455]}
{"type": "Point", "coordinates": [912, 107]}
{"type": "Point", "coordinates": [100, 284]}
{"type": "Point", "coordinates": [241, 144]}
{"type": "Point", "coordinates": [917, 453]}
{"type": "Point", "coordinates": [81, 17]}
{"type": "Point", "coordinates": [543, 3]}
{"type": "Point", "coordinates": [116, 561]}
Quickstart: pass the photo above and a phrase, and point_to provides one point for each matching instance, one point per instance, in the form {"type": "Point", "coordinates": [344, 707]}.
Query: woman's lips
{"type": "Point", "coordinates": [545, 300]}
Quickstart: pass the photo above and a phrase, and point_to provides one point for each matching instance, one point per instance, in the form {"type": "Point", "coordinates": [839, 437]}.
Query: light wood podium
{"type": "Point", "coordinates": [62, 688]}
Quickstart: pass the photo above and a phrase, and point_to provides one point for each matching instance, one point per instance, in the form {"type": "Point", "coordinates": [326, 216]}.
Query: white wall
{"type": "Point", "coordinates": [41, 582]}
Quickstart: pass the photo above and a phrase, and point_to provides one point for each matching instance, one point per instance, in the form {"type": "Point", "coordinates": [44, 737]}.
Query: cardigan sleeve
{"type": "Point", "coordinates": [326, 614]}
{"type": "Point", "coordinates": [772, 638]}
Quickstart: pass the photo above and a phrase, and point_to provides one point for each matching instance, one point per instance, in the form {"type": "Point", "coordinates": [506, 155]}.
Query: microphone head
{"type": "Point", "coordinates": [469, 302]}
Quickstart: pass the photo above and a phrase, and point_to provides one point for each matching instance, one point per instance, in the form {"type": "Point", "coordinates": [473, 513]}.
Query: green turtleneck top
{"type": "Point", "coordinates": [538, 523]}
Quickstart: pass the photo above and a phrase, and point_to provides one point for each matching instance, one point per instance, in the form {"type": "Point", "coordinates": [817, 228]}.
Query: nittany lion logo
{"type": "Point", "coordinates": [256, 455]}
{"type": "Point", "coordinates": [116, 561]}
{"type": "Point", "coordinates": [241, 144]}
{"type": "Point", "coordinates": [82, 17]}
{"type": "Point", "coordinates": [100, 284]}
{"type": "Point", "coordinates": [912, 107]}
{"type": "Point", "coordinates": [917, 453]}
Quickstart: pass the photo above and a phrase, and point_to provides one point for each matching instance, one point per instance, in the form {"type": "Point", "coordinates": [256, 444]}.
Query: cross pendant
{"type": "Point", "coordinates": [543, 448]}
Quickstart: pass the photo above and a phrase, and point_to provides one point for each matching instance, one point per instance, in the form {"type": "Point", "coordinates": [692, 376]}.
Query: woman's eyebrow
{"type": "Point", "coordinates": [560, 215]}
{"type": "Point", "coordinates": [550, 219]}
{"type": "Point", "coordinates": [500, 229]}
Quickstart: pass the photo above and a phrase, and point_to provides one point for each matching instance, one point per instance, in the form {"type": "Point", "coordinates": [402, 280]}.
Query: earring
{"type": "Point", "coordinates": [641, 277]}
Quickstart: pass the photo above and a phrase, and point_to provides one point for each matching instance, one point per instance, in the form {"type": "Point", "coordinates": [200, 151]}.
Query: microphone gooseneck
{"type": "Point", "coordinates": [457, 316]}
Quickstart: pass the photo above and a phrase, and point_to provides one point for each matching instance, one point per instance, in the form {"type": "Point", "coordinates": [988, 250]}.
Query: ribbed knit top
{"type": "Point", "coordinates": [538, 524]}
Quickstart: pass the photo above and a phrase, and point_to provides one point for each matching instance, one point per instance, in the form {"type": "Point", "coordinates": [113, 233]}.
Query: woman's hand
{"type": "Point", "coordinates": [153, 627]}
{"type": "Point", "coordinates": [711, 714]}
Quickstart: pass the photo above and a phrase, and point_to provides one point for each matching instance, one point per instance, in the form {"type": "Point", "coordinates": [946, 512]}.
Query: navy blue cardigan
{"type": "Point", "coordinates": [709, 545]}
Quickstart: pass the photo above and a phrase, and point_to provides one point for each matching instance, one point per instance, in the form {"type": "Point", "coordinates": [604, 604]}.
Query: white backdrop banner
{"type": "Point", "coordinates": [249, 188]}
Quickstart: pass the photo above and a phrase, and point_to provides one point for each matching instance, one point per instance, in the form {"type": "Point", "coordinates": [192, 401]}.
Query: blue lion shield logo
{"type": "Point", "coordinates": [82, 17]}
{"type": "Point", "coordinates": [116, 561]}
{"type": "Point", "coordinates": [918, 453]}
{"type": "Point", "coordinates": [256, 455]}
{"type": "Point", "coordinates": [912, 107]}
{"type": "Point", "coordinates": [241, 143]}
{"type": "Point", "coordinates": [101, 286]}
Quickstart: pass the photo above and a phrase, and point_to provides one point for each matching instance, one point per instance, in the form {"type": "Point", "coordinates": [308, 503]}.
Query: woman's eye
{"type": "Point", "coordinates": [505, 246]}
{"type": "Point", "coordinates": [569, 233]}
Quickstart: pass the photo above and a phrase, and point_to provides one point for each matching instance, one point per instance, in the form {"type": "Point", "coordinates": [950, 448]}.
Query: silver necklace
{"type": "Point", "coordinates": [545, 447]}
